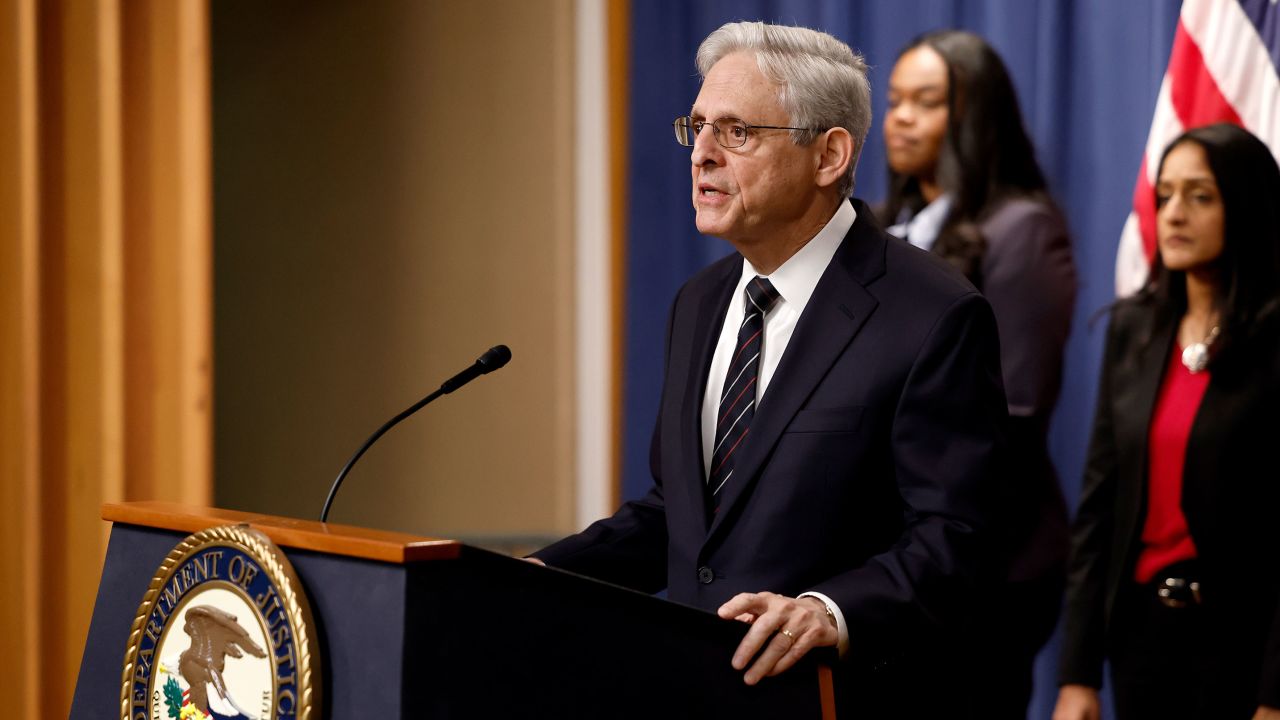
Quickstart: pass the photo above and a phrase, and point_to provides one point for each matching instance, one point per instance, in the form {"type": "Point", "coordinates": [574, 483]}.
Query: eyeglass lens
{"type": "Point", "coordinates": [729, 132]}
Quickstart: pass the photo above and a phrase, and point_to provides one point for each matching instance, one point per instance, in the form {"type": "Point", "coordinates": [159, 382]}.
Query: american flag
{"type": "Point", "coordinates": [1223, 68]}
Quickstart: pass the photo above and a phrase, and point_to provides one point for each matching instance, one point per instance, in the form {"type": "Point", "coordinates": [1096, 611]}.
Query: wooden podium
{"type": "Point", "coordinates": [413, 627]}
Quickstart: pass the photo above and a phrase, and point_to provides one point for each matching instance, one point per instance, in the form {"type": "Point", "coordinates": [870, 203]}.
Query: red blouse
{"type": "Point", "coordinates": [1165, 538]}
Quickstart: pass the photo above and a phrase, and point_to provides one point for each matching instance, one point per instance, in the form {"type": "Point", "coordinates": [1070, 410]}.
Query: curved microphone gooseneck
{"type": "Point", "coordinates": [496, 357]}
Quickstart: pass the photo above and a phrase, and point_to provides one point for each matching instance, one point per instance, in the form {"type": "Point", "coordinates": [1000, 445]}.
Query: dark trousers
{"type": "Point", "coordinates": [926, 684]}
{"type": "Point", "coordinates": [1012, 626]}
{"type": "Point", "coordinates": [983, 672]}
{"type": "Point", "coordinates": [1170, 663]}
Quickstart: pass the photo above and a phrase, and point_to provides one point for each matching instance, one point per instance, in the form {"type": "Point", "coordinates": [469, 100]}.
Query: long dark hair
{"type": "Point", "coordinates": [1247, 294]}
{"type": "Point", "coordinates": [986, 156]}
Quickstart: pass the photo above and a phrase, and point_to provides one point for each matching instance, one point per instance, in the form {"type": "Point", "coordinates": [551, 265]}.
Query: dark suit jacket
{"type": "Point", "coordinates": [870, 464]}
{"type": "Point", "coordinates": [1230, 496]}
{"type": "Point", "coordinates": [1028, 275]}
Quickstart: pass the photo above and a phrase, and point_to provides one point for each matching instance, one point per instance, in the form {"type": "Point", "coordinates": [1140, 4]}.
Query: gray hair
{"type": "Point", "coordinates": [823, 81]}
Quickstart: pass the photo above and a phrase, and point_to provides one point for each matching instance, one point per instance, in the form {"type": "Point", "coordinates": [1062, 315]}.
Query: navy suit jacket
{"type": "Point", "coordinates": [870, 467]}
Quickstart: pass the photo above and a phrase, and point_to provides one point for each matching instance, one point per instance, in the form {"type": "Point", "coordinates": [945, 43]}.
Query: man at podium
{"type": "Point", "coordinates": [830, 424]}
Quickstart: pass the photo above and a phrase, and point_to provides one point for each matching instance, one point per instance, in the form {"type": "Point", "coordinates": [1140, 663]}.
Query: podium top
{"type": "Point", "coordinates": [328, 538]}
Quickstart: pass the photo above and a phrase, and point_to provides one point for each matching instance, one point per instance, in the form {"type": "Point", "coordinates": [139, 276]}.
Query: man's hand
{"type": "Point", "coordinates": [1077, 702]}
{"type": "Point", "coordinates": [785, 627]}
{"type": "Point", "coordinates": [1266, 713]}
{"type": "Point", "coordinates": [534, 560]}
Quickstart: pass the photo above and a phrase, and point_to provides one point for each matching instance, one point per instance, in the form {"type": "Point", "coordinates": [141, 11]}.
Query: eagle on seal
{"type": "Point", "coordinates": [215, 634]}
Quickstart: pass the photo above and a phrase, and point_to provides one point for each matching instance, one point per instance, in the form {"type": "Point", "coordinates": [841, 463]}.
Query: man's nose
{"type": "Point", "coordinates": [706, 151]}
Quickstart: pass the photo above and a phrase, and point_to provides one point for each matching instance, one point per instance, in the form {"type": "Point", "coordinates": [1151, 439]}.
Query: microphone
{"type": "Point", "coordinates": [496, 357]}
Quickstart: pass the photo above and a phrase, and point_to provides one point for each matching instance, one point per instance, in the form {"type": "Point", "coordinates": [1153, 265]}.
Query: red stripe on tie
{"type": "Point", "coordinates": [744, 347]}
{"type": "Point", "coordinates": [726, 455]}
{"type": "Point", "coordinates": [735, 401]}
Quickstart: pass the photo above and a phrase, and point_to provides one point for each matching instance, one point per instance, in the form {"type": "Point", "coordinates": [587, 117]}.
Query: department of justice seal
{"type": "Point", "coordinates": [223, 632]}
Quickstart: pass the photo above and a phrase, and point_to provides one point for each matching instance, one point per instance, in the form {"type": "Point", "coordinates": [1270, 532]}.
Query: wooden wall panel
{"type": "Point", "coordinates": [20, 608]}
{"type": "Point", "coordinates": [72, 304]}
{"type": "Point", "coordinates": [394, 195]}
{"type": "Point", "coordinates": [168, 250]}
{"type": "Point", "coordinates": [82, 284]}
{"type": "Point", "coordinates": [619, 49]}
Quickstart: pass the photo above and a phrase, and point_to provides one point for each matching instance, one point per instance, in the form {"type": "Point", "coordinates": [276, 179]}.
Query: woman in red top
{"type": "Point", "coordinates": [1175, 569]}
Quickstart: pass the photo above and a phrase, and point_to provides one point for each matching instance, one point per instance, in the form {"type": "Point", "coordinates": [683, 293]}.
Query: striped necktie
{"type": "Point", "coordinates": [738, 399]}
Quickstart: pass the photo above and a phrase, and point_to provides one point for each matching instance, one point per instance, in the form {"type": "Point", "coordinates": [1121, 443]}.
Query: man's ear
{"type": "Point", "coordinates": [835, 156]}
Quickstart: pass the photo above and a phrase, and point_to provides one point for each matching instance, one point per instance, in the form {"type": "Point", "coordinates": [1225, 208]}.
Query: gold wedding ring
{"type": "Point", "coordinates": [790, 635]}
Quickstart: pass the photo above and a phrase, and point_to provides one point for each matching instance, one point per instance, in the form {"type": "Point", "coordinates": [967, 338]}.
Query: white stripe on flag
{"type": "Point", "coordinates": [1239, 63]}
{"type": "Point", "coordinates": [1165, 126]}
{"type": "Point", "coordinates": [1131, 259]}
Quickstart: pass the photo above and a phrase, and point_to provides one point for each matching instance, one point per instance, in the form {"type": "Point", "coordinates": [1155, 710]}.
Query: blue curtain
{"type": "Point", "coordinates": [1087, 74]}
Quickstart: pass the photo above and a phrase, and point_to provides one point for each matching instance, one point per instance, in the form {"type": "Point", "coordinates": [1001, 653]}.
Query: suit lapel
{"type": "Point", "coordinates": [1140, 385]}
{"type": "Point", "coordinates": [712, 305]}
{"type": "Point", "coordinates": [839, 306]}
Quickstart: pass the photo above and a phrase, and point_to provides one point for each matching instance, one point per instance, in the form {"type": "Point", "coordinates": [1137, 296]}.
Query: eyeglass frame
{"type": "Point", "coordinates": [715, 131]}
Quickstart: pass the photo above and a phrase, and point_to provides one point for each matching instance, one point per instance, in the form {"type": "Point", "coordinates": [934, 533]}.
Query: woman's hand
{"type": "Point", "coordinates": [1079, 702]}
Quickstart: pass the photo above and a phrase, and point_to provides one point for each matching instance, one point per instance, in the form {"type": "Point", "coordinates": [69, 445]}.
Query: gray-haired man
{"type": "Point", "coordinates": [832, 406]}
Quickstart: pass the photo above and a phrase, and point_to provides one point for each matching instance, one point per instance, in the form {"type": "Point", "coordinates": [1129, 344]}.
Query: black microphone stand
{"type": "Point", "coordinates": [495, 358]}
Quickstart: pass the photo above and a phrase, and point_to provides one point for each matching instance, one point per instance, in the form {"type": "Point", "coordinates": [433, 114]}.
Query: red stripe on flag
{"type": "Point", "coordinates": [1197, 100]}
{"type": "Point", "coordinates": [1192, 90]}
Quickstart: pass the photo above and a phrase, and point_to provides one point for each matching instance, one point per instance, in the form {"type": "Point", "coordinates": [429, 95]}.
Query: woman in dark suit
{"type": "Point", "coordinates": [1175, 569]}
{"type": "Point", "coordinates": [965, 185]}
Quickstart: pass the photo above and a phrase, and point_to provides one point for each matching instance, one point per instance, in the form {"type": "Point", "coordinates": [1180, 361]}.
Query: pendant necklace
{"type": "Point", "coordinates": [1196, 355]}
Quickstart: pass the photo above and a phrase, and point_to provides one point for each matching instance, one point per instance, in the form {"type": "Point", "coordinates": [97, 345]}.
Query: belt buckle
{"type": "Point", "coordinates": [1176, 592]}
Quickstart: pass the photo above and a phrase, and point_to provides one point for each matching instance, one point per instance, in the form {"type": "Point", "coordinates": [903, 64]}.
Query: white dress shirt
{"type": "Point", "coordinates": [794, 280]}
{"type": "Point", "coordinates": [922, 230]}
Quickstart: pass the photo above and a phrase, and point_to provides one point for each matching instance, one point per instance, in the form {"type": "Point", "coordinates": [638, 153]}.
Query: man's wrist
{"type": "Point", "coordinates": [824, 607]}
{"type": "Point", "coordinates": [833, 612]}
{"type": "Point", "coordinates": [831, 616]}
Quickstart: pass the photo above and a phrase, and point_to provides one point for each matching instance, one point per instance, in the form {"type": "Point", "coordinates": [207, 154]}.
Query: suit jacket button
{"type": "Point", "coordinates": [705, 575]}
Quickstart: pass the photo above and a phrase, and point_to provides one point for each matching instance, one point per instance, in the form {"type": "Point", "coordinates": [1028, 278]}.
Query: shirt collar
{"type": "Point", "coordinates": [922, 230]}
{"type": "Point", "coordinates": [796, 278]}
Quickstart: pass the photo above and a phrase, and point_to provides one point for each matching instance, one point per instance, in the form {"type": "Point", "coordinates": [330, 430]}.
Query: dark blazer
{"type": "Point", "coordinates": [1028, 275]}
{"type": "Point", "coordinates": [1029, 278]}
{"type": "Point", "coordinates": [1230, 496]}
{"type": "Point", "coordinates": [870, 465]}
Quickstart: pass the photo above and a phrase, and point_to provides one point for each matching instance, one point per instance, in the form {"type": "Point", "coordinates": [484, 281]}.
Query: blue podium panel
{"type": "Point", "coordinates": [358, 606]}
{"type": "Point", "coordinates": [473, 635]}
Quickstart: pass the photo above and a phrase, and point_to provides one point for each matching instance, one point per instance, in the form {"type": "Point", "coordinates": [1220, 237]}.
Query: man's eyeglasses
{"type": "Point", "coordinates": [729, 132]}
